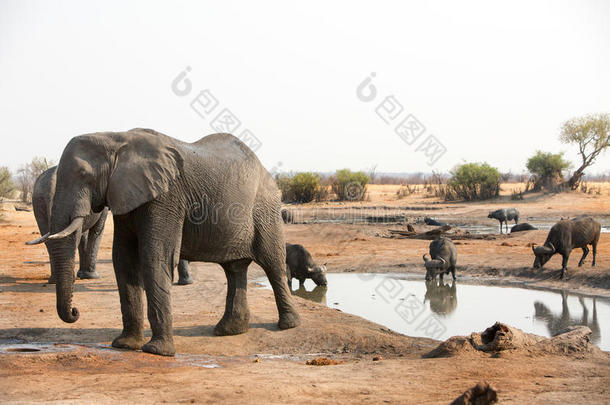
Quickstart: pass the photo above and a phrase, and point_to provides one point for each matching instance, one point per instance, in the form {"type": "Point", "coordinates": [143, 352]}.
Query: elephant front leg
{"type": "Point", "coordinates": [129, 281]}
{"type": "Point", "coordinates": [88, 256]}
{"type": "Point", "coordinates": [86, 268]}
{"type": "Point", "coordinates": [157, 283]}
{"type": "Point", "coordinates": [237, 314]}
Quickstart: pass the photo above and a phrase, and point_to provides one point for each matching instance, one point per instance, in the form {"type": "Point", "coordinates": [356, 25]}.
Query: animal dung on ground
{"type": "Point", "coordinates": [480, 394]}
{"type": "Point", "coordinates": [322, 361]}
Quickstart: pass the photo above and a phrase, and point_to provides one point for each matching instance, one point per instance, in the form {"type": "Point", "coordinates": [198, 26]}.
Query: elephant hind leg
{"type": "Point", "coordinates": [237, 314]}
{"type": "Point", "coordinates": [271, 256]}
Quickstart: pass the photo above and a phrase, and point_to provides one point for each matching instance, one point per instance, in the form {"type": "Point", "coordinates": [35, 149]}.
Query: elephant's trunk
{"type": "Point", "coordinates": [61, 254]}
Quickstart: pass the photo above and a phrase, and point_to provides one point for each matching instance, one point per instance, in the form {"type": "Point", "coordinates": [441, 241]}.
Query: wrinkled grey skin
{"type": "Point", "coordinates": [300, 265]}
{"type": "Point", "coordinates": [209, 201]}
{"type": "Point", "coordinates": [566, 235]}
{"type": "Point", "coordinates": [524, 226]}
{"type": "Point", "coordinates": [287, 216]}
{"type": "Point", "coordinates": [91, 231]}
{"type": "Point", "coordinates": [505, 215]}
{"type": "Point", "coordinates": [442, 297]}
{"type": "Point", "coordinates": [442, 260]}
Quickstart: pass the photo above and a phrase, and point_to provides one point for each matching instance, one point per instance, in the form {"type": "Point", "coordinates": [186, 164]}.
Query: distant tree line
{"type": "Point", "coordinates": [23, 181]}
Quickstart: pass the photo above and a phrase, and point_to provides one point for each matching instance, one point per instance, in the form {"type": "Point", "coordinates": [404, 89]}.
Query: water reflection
{"type": "Point", "coordinates": [442, 297]}
{"type": "Point", "coordinates": [556, 323]}
{"type": "Point", "coordinates": [318, 294]}
{"type": "Point", "coordinates": [407, 304]}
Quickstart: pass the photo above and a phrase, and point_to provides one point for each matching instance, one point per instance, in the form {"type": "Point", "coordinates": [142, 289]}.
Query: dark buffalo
{"type": "Point", "coordinates": [566, 235]}
{"type": "Point", "coordinates": [505, 215]}
{"type": "Point", "coordinates": [433, 222]}
{"type": "Point", "coordinates": [287, 216]}
{"type": "Point", "coordinates": [443, 255]}
{"type": "Point", "coordinates": [522, 227]}
{"type": "Point", "coordinates": [300, 265]}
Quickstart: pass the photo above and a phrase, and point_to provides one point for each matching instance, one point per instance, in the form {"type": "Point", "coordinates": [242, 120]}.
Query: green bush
{"type": "Point", "coordinates": [348, 185]}
{"type": "Point", "coordinates": [547, 169]}
{"type": "Point", "coordinates": [301, 187]}
{"type": "Point", "coordinates": [474, 181]}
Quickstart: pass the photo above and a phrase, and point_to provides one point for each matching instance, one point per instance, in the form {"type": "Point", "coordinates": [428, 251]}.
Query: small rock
{"type": "Point", "coordinates": [377, 358]}
{"type": "Point", "coordinates": [41, 310]}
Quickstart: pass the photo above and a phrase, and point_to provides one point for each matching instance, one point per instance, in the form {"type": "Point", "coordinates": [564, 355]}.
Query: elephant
{"type": "Point", "coordinates": [210, 200]}
{"type": "Point", "coordinates": [91, 231]}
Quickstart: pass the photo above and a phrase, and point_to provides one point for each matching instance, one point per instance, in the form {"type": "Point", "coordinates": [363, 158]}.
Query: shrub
{"type": "Point", "coordinates": [6, 183]}
{"type": "Point", "coordinates": [348, 185]}
{"type": "Point", "coordinates": [301, 187]}
{"type": "Point", "coordinates": [474, 181]}
{"type": "Point", "coordinates": [547, 169]}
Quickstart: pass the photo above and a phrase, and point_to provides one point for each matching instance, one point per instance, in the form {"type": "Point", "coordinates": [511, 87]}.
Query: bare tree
{"type": "Point", "coordinates": [27, 175]}
{"type": "Point", "coordinates": [592, 135]}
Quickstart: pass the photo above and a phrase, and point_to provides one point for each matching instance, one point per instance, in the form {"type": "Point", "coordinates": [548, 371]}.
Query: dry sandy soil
{"type": "Point", "coordinates": [267, 365]}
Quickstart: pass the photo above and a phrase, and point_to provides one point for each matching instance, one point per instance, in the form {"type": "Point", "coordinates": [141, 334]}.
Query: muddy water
{"type": "Point", "coordinates": [409, 305]}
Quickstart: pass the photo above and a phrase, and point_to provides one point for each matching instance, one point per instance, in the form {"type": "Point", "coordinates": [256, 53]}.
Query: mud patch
{"type": "Point", "coordinates": [504, 338]}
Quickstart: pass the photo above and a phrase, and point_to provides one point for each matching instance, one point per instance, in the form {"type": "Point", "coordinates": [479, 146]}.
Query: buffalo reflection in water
{"type": "Point", "coordinates": [557, 323]}
{"type": "Point", "coordinates": [442, 297]}
{"type": "Point", "coordinates": [318, 294]}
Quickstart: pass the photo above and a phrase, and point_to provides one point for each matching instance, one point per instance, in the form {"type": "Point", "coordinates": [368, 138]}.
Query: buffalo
{"type": "Point", "coordinates": [524, 226]}
{"type": "Point", "coordinates": [300, 265]}
{"type": "Point", "coordinates": [443, 257]}
{"type": "Point", "coordinates": [287, 216]}
{"type": "Point", "coordinates": [566, 235]}
{"type": "Point", "coordinates": [433, 222]}
{"type": "Point", "coordinates": [505, 215]}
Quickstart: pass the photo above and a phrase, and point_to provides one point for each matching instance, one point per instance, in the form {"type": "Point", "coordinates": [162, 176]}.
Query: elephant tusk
{"type": "Point", "coordinates": [77, 223]}
{"type": "Point", "coordinates": [43, 238]}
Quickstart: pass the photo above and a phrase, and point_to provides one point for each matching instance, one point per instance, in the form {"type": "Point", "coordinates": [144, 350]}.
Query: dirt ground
{"type": "Point", "coordinates": [267, 365]}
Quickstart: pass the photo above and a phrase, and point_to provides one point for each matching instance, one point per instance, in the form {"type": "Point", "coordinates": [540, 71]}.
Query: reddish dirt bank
{"type": "Point", "coordinates": [87, 373]}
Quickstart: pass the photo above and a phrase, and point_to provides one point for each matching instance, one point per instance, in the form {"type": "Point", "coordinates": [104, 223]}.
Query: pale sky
{"type": "Point", "coordinates": [492, 81]}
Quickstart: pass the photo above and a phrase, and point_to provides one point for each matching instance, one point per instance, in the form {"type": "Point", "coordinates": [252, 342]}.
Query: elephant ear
{"type": "Point", "coordinates": [146, 164]}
